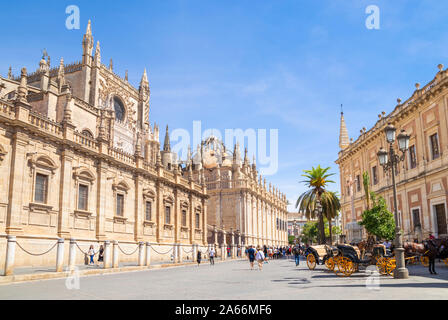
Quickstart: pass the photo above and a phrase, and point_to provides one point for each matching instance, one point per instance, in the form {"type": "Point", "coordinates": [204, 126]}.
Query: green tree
{"type": "Point", "coordinates": [291, 239]}
{"type": "Point", "coordinates": [317, 180]}
{"type": "Point", "coordinates": [379, 221]}
{"type": "Point", "coordinates": [309, 232]}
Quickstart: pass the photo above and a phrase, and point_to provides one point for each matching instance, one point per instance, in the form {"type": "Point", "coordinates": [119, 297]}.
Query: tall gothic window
{"type": "Point", "coordinates": [41, 189]}
{"type": "Point", "coordinates": [358, 183]}
{"type": "Point", "coordinates": [434, 146]}
{"type": "Point", "coordinates": [83, 192]}
{"type": "Point", "coordinates": [119, 109]}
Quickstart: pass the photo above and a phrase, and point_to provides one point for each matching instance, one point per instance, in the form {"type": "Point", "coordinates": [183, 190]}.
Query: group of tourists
{"type": "Point", "coordinates": [265, 253]}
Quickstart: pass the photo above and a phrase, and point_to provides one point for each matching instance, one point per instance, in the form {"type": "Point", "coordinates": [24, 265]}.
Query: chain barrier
{"type": "Point", "coordinates": [161, 253]}
{"type": "Point", "coordinates": [128, 254]}
{"type": "Point", "coordinates": [187, 252]}
{"type": "Point", "coordinates": [36, 254]}
{"type": "Point", "coordinates": [87, 252]}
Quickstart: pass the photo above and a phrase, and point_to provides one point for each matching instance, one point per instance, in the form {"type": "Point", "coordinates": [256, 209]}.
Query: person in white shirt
{"type": "Point", "coordinates": [212, 256]}
{"type": "Point", "coordinates": [260, 258]}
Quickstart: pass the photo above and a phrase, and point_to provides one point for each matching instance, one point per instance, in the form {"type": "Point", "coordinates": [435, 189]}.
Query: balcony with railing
{"type": "Point", "coordinates": [44, 123]}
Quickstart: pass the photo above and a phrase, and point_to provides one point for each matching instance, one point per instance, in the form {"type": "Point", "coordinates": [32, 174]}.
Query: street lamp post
{"type": "Point", "coordinates": [318, 212]}
{"type": "Point", "coordinates": [389, 161]}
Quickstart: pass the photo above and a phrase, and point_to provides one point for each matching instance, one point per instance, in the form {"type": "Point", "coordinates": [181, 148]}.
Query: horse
{"type": "Point", "coordinates": [435, 248]}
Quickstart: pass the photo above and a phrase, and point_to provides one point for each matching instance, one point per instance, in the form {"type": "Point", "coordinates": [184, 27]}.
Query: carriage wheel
{"type": "Point", "coordinates": [424, 260]}
{"type": "Point", "coordinates": [390, 267]}
{"type": "Point", "coordinates": [381, 265]}
{"type": "Point", "coordinates": [329, 263]}
{"type": "Point", "coordinates": [446, 261]}
{"type": "Point", "coordinates": [345, 267]}
{"type": "Point", "coordinates": [311, 261]}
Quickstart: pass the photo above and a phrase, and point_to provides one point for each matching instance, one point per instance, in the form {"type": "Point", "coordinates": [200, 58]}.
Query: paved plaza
{"type": "Point", "coordinates": [280, 279]}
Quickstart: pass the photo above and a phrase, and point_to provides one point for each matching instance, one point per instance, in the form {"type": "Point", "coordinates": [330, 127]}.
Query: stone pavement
{"type": "Point", "coordinates": [279, 279]}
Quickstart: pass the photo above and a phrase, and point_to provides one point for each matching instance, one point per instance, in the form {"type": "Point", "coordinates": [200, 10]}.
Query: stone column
{"type": "Point", "coordinates": [65, 189]}
{"type": "Point", "coordinates": [115, 254]}
{"type": "Point", "coordinates": [232, 244]}
{"type": "Point", "coordinates": [148, 254]}
{"type": "Point", "coordinates": [60, 255]}
{"type": "Point", "coordinates": [72, 255]}
{"type": "Point", "coordinates": [195, 252]}
{"type": "Point", "coordinates": [102, 195]}
{"type": "Point", "coordinates": [139, 209]}
{"type": "Point", "coordinates": [179, 254]}
{"type": "Point", "coordinates": [10, 255]}
{"type": "Point", "coordinates": [106, 254]}
{"type": "Point", "coordinates": [204, 220]}
{"type": "Point", "coordinates": [141, 254]}
{"type": "Point", "coordinates": [215, 233]}
{"type": "Point", "coordinates": [160, 209]}
{"type": "Point", "coordinates": [18, 174]}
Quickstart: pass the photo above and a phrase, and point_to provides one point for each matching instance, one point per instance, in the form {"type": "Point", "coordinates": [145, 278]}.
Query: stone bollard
{"type": "Point", "coordinates": [193, 252]}
{"type": "Point", "coordinates": [148, 254]}
{"type": "Point", "coordinates": [72, 255]}
{"type": "Point", "coordinates": [179, 253]}
{"type": "Point", "coordinates": [115, 254]}
{"type": "Point", "coordinates": [141, 254]}
{"type": "Point", "coordinates": [106, 257]}
{"type": "Point", "coordinates": [175, 253]}
{"type": "Point", "coordinates": [60, 255]}
{"type": "Point", "coordinates": [223, 253]}
{"type": "Point", "coordinates": [10, 255]}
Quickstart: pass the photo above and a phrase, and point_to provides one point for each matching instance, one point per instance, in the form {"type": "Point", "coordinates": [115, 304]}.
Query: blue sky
{"type": "Point", "coordinates": [273, 64]}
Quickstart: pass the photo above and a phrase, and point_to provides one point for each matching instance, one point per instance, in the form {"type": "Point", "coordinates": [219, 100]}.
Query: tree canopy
{"type": "Point", "coordinates": [378, 220]}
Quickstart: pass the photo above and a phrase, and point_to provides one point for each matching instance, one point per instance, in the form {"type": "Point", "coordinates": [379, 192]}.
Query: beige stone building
{"type": "Point", "coordinates": [79, 159]}
{"type": "Point", "coordinates": [422, 179]}
{"type": "Point", "coordinates": [242, 209]}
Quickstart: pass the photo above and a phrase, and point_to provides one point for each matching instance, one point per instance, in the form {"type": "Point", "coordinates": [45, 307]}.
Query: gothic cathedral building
{"type": "Point", "coordinates": [80, 159]}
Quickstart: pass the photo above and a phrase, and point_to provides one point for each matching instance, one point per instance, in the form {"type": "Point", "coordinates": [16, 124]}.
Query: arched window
{"type": "Point", "coordinates": [119, 109]}
{"type": "Point", "coordinates": [87, 133]}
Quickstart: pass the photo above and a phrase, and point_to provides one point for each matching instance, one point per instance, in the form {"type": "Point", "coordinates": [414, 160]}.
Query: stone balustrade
{"type": "Point", "coordinates": [45, 124]}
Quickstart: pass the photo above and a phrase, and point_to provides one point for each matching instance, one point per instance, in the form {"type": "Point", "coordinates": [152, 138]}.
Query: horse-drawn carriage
{"type": "Point", "coordinates": [343, 259]}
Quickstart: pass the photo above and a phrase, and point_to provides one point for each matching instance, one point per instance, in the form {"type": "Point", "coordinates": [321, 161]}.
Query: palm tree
{"type": "Point", "coordinates": [317, 180]}
{"type": "Point", "coordinates": [366, 184]}
{"type": "Point", "coordinates": [330, 208]}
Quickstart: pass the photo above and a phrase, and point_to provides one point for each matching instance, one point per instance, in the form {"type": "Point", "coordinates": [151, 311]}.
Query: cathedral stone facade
{"type": "Point", "coordinates": [79, 159]}
{"type": "Point", "coordinates": [422, 179]}
{"type": "Point", "coordinates": [242, 209]}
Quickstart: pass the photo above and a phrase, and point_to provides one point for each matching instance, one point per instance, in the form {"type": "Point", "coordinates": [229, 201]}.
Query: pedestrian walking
{"type": "Point", "coordinates": [91, 253]}
{"type": "Point", "coordinates": [101, 255]}
{"type": "Point", "coordinates": [260, 258]}
{"type": "Point", "coordinates": [212, 256]}
{"type": "Point", "coordinates": [296, 252]}
{"type": "Point", "coordinates": [251, 254]}
{"type": "Point", "coordinates": [199, 257]}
